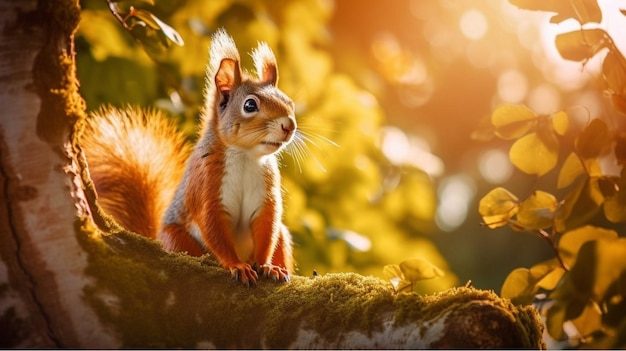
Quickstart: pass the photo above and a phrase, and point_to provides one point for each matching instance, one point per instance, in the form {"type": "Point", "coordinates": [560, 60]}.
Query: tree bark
{"type": "Point", "coordinates": [63, 283]}
{"type": "Point", "coordinates": [41, 195]}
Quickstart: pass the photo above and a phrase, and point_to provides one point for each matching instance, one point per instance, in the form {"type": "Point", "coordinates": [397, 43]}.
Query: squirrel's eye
{"type": "Point", "coordinates": [250, 106]}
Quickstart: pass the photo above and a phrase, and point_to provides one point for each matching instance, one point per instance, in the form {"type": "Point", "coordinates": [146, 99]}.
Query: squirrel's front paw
{"type": "Point", "coordinates": [276, 273]}
{"type": "Point", "coordinates": [244, 273]}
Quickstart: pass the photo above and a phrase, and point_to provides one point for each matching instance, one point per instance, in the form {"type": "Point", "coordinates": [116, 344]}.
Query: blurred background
{"type": "Point", "coordinates": [403, 88]}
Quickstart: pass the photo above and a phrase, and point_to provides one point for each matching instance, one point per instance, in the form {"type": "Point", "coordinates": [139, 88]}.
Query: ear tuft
{"type": "Point", "coordinates": [222, 47]}
{"type": "Point", "coordinates": [224, 73]}
{"type": "Point", "coordinates": [265, 64]}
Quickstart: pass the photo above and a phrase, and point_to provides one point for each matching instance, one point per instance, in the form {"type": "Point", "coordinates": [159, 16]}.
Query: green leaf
{"type": "Point", "coordinates": [572, 168]}
{"type": "Point", "coordinates": [583, 11]}
{"type": "Point", "coordinates": [581, 45]}
{"type": "Point", "coordinates": [593, 139]}
{"type": "Point", "coordinates": [537, 211]}
{"type": "Point", "coordinates": [571, 242]}
{"type": "Point", "coordinates": [497, 207]}
{"type": "Point", "coordinates": [560, 121]}
{"type": "Point", "coordinates": [417, 269]}
{"type": "Point", "coordinates": [512, 121]}
{"type": "Point", "coordinates": [533, 155]}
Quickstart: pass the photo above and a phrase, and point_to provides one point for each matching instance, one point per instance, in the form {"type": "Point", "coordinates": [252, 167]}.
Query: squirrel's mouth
{"type": "Point", "coordinates": [272, 144]}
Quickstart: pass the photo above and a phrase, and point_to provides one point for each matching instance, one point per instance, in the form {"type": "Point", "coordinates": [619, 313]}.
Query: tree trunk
{"type": "Point", "coordinates": [64, 284]}
{"type": "Point", "coordinates": [41, 195]}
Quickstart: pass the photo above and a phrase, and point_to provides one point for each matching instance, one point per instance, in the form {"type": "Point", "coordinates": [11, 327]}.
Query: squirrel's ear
{"type": "Point", "coordinates": [228, 76]}
{"type": "Point", "coordinates": [265, 64]}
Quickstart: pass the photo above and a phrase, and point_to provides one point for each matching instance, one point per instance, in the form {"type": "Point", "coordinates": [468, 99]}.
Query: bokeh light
{"type": "Point", "coordinates": [512, 86]}
{"type": "Point", "coordinates": [455, 195]}
{"type": "Point", "coordinates": [473, 24]}
{"type": "Point", "coordinates": [494, 166]}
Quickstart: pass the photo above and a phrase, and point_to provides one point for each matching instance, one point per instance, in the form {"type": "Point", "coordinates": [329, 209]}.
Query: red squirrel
{"type": "Point", "coordinates": [225, 196]}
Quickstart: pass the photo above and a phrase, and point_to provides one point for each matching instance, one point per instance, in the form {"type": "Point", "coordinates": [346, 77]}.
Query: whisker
{"type": "Point", "coordinates": [255, 135]}
{"type": "Point", "coordinates": [299, 149]}
{"type": "Point", "coordinates": [309, 136]}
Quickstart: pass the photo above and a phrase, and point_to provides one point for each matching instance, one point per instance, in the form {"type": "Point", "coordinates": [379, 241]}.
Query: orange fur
{"type": "Point", "coordinates": [228, 195]}
{"type": "Point", "coordinates": [136, 160]}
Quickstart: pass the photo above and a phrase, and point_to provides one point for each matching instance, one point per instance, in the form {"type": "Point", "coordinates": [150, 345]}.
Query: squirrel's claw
{"type": "Point", "coordinates": [276, 273]}
{"type": "Point", "coordinates": [243, 272]}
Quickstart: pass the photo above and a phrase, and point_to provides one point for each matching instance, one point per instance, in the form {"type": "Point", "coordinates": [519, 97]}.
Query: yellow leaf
{"type": "Point", "coordinates": [395, 276]}
{"type": "Point", "coordinates": [571, 169]}
{"type": "Point", "coordinates": [579, 205]}
{"type": "Point", "coordinates": [581, 45]}
{"type": "Point", "coordinates": [560, 121]}
{"type": "Point", "coordinates": [497, 207]}
{"type": "Point", "coordinates": [517, 287]}
{"type": "Point", "coordinates": [522, 284]}
{"type": "Point", "coordinates": [593, 139]}
{"type": "Point", "coordinates": [571, 242]}
{"type": "Point", "coordinates": [512, 121]}
{"type": "Point", "coordinates": [554, 320]}
{"type": "Point", "coordinates": [392, 271]}
{"type": "Point", "coordinates": [537, 211]}
{"type": "Point", "coordinates": [551, 280]}
{"type": "Point", "coordinates": [532, 155]}
{"type": "Point", "coordinates": [590, 320]}
{"type": "Point", "coordinates": [417, 269]}
{"type": "Point", "coordinates": [615, 206]}
{"type": "Point", "coordinates": [599, 265]}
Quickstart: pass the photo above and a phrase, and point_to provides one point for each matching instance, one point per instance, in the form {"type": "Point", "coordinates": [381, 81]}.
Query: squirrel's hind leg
{"type": "Point", "coordinates": [175, 238]}
{"type": "Point", "coordinates": [283, 255]}
{"type": "Point", "coordinates": [282, 261]}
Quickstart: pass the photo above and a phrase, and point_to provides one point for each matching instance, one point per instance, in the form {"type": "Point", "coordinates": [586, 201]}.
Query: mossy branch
{"type": "Point", "coordinates": [156, 299]}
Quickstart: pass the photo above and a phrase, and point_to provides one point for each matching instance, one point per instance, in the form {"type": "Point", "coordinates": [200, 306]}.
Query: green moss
{"type": "Point", "coordinates": [158, 299]}
{"type": "Point", "coordinates": [329, 305]}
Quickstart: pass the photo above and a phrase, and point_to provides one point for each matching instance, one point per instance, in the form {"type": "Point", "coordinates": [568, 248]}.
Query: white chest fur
{"type": "Point", "coordinates": [243, 193]}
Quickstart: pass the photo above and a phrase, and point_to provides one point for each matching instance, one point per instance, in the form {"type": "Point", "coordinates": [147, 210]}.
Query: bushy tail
{"type": "Point", "coordinates": [136, 159]}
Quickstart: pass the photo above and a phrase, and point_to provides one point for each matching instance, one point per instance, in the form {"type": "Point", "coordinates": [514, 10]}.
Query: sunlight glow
{"type": "Point", "coordinates": [544, 99]}
{"type": "Point", "coordinates": [512, 86]}
{"type": "Point", "coordinates": [473, 24]}
{"type": "Point", "coordinates": [455, 195]}
{"type": "Point", "coordinates": [403, 149]}
{"type": "Point", "coordinates": [495, 167]}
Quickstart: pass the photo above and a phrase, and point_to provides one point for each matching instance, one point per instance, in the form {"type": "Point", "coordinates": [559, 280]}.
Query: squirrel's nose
{"type": "Point", "coordinates": [287, 125]}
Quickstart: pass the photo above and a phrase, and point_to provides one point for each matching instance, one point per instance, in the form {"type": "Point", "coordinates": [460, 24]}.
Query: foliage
{"type": "Point", "coordinates": [404, 276]}
{"type": "Point", "coordinates": [585, 282]}
{"type": "Point", "coordinates": [348, 207]}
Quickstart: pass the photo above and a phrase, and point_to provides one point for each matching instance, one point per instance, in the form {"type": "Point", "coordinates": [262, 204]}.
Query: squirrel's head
{"type": "Point", "coordinates": [250, 112]}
